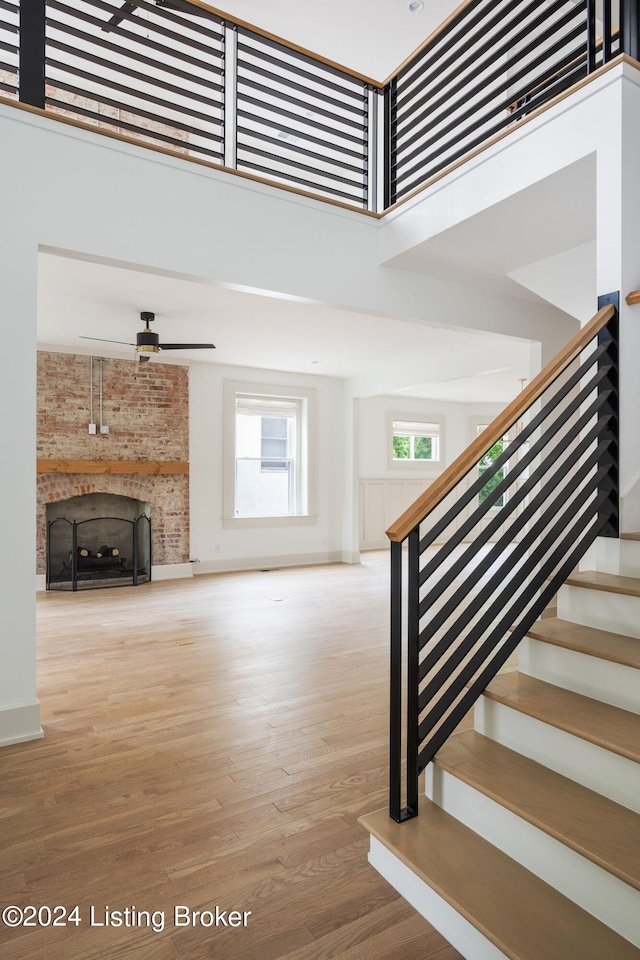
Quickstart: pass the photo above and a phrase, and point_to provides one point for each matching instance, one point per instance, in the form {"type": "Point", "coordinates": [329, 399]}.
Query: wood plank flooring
{"type": "Point", "coordinates": [209, 742]}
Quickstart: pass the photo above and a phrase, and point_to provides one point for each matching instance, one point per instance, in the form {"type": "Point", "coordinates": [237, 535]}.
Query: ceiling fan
{"type": "Point", "coordinates": [148, 342]}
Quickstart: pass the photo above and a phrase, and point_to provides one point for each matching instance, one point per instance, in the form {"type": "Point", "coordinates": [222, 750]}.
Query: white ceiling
{"type": "Point", "coordinates": [81, 298]}
{"type": "Point", "coordinates": [372, 37]}
{"type": "Point", "coordinates": [560, 215]}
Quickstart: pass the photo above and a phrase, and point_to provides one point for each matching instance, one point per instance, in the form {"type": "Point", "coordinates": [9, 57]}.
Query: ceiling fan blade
{"type": "Point", "coordinates": [118, 17]}
{"type": "Point", "coordinates": [187, 346]}
{"type": "Point", "coordinates": [100, 340]}
{"type": "Point", "coordinates": [130, 6]}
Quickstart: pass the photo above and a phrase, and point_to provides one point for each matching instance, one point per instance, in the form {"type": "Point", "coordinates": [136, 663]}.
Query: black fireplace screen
{"type": "Point", "coordinates": [98, 552]}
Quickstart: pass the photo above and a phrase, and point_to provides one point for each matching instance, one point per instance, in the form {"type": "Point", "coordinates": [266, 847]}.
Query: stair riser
{"type": "Point", "coordinates": [618, 556]}
{"type": "Point", "coordinates": [594, 767]}
{"type": "Point", "coordinates": [614, 612]}
{"type": "Point", "coordinates": [599, 679]}
{"type": "Point", "coordinates": [594, 889]}
{"type": "Point", "coordinates": [466, 939]}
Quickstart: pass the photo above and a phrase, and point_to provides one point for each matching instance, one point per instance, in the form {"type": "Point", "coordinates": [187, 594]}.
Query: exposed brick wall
{"type": "Point", "coordinates": [146, 406]}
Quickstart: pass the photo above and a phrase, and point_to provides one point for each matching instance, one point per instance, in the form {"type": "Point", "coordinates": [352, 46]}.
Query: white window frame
{"type": "Point", "coordinates": [425, 466]}
{"type": "Point", "coordinates": [305, 457]}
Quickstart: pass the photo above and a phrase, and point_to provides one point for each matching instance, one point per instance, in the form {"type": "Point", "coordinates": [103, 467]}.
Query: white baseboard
{"type": "Point", "coordinates": [233, 564]}
{"type": "Point", "coordinates": [347, 556]}
{"type": "Point", "coordinates": [41, 582]}
{"type": "Point", "coordinates": [172, 571]}
{"type": "Point", "coordinates": [20, 723]}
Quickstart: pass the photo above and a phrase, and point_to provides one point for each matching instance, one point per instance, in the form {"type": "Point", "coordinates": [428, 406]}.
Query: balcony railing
{"type": "Point", "coordinates": [175, 75]}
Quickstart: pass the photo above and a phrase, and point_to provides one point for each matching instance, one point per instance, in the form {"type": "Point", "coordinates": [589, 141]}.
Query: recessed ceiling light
{"type": "Point", "coordinates": [415, 6]}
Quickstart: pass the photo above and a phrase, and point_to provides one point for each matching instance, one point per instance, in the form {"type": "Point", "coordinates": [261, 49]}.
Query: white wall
{"type": "Point", "coordinates": [387, 490]}
{"type": "Point", "coordinates": [19, 709]}
{"type": "Point", "coordinates": [457, 432]}
{"type": "Point", "coordinates": [247, 545]}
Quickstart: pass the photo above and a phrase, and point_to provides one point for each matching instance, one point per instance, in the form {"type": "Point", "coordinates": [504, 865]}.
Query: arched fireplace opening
{"type": "Point", "coordinates": [98, 540]}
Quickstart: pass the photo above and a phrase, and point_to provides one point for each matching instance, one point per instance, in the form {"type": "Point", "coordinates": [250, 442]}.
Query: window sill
{"type": "Point", "coordinates": [240, 523]}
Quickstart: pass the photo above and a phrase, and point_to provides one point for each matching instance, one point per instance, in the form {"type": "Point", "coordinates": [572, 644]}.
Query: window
{"type": "Point", "coordinates": [486, 462]}
{"type": "Point", "coordinates": [267, 481]}
{"type": "Point", "coordinates": [415, 440]}
{"type": "Point", "coordinates": [267, 452]}
{"type": "Point", "coordinates": [275, 441]}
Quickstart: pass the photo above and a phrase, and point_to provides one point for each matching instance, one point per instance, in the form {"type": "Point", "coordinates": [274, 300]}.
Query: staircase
{"type": "Point", "coordinates": [527, 843]}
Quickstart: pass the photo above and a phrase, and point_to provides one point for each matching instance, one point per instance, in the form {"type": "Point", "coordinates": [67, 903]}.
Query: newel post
{"type": "Point", "coordinates": [630, 28]}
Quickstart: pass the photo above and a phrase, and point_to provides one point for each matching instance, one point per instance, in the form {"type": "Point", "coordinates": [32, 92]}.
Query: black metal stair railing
{"type": "Point", "coordinates": [477, 559]}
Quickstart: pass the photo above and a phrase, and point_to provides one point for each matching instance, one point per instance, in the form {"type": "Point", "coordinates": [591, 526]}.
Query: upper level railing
{"type": "Point", "coordinates": [181, 76]}
{"type": "Point", "coordinates": [484, 71]}
{"type": "Point", "coordinates": [492, 539]}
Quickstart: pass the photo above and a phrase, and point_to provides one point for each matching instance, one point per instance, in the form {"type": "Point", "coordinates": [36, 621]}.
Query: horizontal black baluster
{"type": "Point", "coordinates": [501, 628]}
{"type": "Point", "coordinates": [520, 552]}
{"type": "Point", "coordinates": [93, 40]}
{"type": "Point", "coordinates": [123, 88]}
{"type": "Point", "coordinates": [441, 152]}
{"type": "Point", "coordinates": [468, 495]}
{"type": "Point", "coordinates": [455, 109]}
{"type": "Point", "coordinates": [429, 101]}
{"type": "Point", "coordinates": [478, 571]}
{"type": "Point", "coordinates": [476, 687]}
{"type": "Point", "coordinates": [126, 71]}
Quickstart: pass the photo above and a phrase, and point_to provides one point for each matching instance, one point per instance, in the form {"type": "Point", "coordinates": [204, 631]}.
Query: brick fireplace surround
{"type": "Point", "coordinates": [146, 406]}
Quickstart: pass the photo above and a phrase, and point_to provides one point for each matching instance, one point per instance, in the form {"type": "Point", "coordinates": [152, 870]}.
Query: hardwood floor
{"type": "Point", "coordinates": [209, 742]}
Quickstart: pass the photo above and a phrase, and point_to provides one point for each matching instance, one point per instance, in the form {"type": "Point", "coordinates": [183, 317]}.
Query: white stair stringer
{"type": "Point", "coordinates": [604, 680]}
{"type": "Point", "coordinates": [593, 888]}
{"type": "Point", "coordinates": [609, 774]}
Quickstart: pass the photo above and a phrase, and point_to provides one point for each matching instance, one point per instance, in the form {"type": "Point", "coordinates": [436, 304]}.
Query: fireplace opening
{"type": "Point", "coordinates": [98, 540]}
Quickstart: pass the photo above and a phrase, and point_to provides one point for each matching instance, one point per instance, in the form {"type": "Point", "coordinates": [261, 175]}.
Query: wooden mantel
{"type": "Point", "coordinates": [152, 467]}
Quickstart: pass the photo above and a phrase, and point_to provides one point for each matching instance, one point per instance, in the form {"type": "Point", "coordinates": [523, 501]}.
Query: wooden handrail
{"type": "Point", "coordinates": [425, 503]}
{"type": "Point", "coordinates": [633, 297]}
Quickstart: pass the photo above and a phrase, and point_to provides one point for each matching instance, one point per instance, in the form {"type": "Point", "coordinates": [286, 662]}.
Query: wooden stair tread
{"type": "Point", "coordinates": [610, 582]}
{"type": "Point", "coordinates": [523, 916]}
{"type": "Point", "coordinates": [589, 640]}
{"type": "Point", "coordinates": [599, 829]}
{"type": "Point", "coordinates": [609, 727]}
